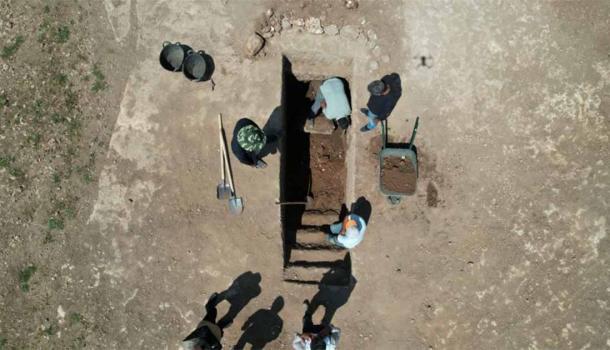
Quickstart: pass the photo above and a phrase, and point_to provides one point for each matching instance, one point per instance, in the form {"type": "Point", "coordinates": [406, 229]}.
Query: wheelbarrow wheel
{"type": "Point", "coordinates": [393, 200]}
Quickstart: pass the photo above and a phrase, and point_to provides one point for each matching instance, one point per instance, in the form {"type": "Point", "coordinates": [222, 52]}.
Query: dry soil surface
{"type": "Point", "coordinates": [111, 236]}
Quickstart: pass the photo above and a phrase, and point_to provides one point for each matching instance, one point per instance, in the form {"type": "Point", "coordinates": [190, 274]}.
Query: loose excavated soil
{"type": "Point", "coordinates": [398, 175]}
{"type": "Point", "coordinates": [327, 163]}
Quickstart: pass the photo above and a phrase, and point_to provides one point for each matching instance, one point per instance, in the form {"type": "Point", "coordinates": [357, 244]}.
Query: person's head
{"type": "Point", "coordinates": [278, 304]}
{"type": "Point", "coordinates": [251, 138]}
{"type": "Point", "coordinates": [378, 88]}
{"type": "Point", "coordinates": [343, 122]}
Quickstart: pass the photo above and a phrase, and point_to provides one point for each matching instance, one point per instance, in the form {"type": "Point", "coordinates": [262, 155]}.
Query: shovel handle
{"type": "Point", "coordinates": [226, 157]}
{"type": "Point", "coordinates": [220, 147]}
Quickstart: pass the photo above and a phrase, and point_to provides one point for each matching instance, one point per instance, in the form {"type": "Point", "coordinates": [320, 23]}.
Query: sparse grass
{"type": "Point", "coordinates": [7, 162]}
{"type": "Point", "coordinates": [43, 30]}
{"type": "Point", "coordinates": [34, 139]}
{"type": "Point", "coordinates": [57, 118]}
{"type": "Point", "coordinates": [55, 223]}
{"type": "Point", "coordinates": [10, 49]}
{"type": "Point", "coordinates": [2, 342]}
{"type": "Point", "coordinates": [3, 101]}
{"type": "Point", "coordinates": [61, 79]}
{"type": "Point", "coordinates": [24, 277]}
{"type": "Point", "coordinates": [48, 238]}
{"type": "Point", "coordinates": [100, 79]}
{"type": "Point", "coordinates": [75, 318]}
{"type": "Point", "coordinates": [62, 35]}
{"type": "Point", "coordinates": [50, 330]}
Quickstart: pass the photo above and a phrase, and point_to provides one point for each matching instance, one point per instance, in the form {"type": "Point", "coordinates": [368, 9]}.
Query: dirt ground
{"type": "Point", "coordinates": [111, 236]}
{"type": "Point", "coordinates": [327, 163]}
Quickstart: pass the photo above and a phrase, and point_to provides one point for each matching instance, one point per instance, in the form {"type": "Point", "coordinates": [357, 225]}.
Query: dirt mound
{"type": "Point", "coordinates": [398, 175]}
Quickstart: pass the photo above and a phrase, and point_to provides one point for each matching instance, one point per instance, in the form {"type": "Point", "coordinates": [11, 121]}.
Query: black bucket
{"type": "Point", "coordinates": [172, 56]}
{"type": "Point", "coordinates": [198, 66]}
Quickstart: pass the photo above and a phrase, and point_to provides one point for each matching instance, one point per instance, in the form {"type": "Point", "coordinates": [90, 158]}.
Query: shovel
{"type": "Point", "coordinates": [236, 204]}
{"type": "Point", "coordinates": [223, 190]}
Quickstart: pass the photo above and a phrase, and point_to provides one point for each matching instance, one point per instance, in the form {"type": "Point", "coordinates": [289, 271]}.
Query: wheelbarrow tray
{"type": "Point", "coordinates": [403, 153]}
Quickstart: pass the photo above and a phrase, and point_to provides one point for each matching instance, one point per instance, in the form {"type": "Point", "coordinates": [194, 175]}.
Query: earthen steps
{"type": "Point", "coordinates": [317, 218]}
{"type": "Point", "coordinates": [316, 256]}
{"type": "Point", "coordinates": [312, 238]}
{"type": "Point", "coordinates": [316, 275]}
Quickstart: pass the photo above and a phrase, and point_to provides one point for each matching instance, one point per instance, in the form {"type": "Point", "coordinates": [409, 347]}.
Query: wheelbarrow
{"type": "Point", "coordinates": [408, 156]}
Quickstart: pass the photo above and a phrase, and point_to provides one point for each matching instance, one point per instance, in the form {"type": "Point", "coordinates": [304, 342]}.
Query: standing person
{"type": "Point", "coordinates": [331, 97]}
{"type": "Point", "coordinates": [347, 233]}
{"type": "Point", "coordinates": [384, 96]}
{"type": "Point", "coordinates": [208, 333]}
{"type": "Point", "coordinates": [248, 142]}
{"type": "Point", "coordinates": [315, 337]}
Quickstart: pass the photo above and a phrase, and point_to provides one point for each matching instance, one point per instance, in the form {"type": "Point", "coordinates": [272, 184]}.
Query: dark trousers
{"type": "Point", "coordinates": [309, 327]}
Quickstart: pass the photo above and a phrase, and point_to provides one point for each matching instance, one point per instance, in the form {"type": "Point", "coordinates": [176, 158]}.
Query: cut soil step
{"type": "Point", "coordinates": [317, 275]}
{"type": "Point", "coordinates": [312, 238]}
{"type": "Point", "coordinates": [318, 217]}
{"type": "Point", "coordinates": [316, 256]}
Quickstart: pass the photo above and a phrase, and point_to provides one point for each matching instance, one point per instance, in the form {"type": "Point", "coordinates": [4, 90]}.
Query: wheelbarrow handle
{"type": "Point", "coordinates": [414, 133]}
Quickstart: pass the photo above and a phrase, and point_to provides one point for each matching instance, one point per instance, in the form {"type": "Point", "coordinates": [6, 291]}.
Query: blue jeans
{"type": "Point", "coordinates": [332, 237]}
{"type": "Point", "coordinates": [373, 118]}
{"type": "Point", "coordinates": [315, 108]}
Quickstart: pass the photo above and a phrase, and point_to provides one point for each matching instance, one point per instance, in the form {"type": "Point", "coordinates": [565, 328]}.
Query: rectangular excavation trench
{"type": "Point", "coordinates": [312, 165]}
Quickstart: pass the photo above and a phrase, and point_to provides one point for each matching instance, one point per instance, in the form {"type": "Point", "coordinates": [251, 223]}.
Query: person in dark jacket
{"type": "Point", "coordinates": [208, 333]}
{"type": "Point", "coordinates": [248, 142]}
{"type": "Point", "coordinates": [385, 93]}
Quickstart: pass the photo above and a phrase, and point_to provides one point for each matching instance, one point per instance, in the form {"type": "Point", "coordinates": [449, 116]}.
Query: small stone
{"type": "Point", "coordinates": [299, 22]}
{"type": "Point", "coordinates": [386, 59]}
{"type": "Point", "coordinates": [371, 35]}
{"type": "Point", "coordinates": [313, 26]}
{"type": "Point", "coordinates": [254, 44]}
{"type": "Point", "coordinates": [286, 24]}
{"type": "Point", "coordinates": [350, 32]}
{"type": "Point", "coordinates": [373, 65]}
{"type": "Point", "coordinates": [331, 30]}
{"type": "Point", "coordinates": [269, 13]}
{"type": "Point", "coordinates": [351, 4]}
{"type": "Point", "coordinates": [376, 51]}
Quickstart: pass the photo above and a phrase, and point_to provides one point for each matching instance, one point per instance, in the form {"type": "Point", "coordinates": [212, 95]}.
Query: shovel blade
{"type": "Point", "coordinates": [236, 205]}
{"type": "Point", "coordinates": [223, 191]}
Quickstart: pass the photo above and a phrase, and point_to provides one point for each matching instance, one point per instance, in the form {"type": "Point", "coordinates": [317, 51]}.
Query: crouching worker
{"type": "Point", "coordinates": [208, 333]}
{"type": "Point", "coordinates": [331, 97]}
{"type": "Point", "coordinates": [248, 142]}
{"type": "Point", "coordinates": [348, 233]}
{"type": "Point", "coordinates": [316, 337]}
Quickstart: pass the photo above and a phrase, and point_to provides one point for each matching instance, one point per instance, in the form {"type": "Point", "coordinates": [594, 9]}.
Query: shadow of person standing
{"type": "Point", "coordinates": [243, 289]}
{"type": "Point", "coordinates": [264, 326]}
{"type": "Point", "coordinates": [331, 296]}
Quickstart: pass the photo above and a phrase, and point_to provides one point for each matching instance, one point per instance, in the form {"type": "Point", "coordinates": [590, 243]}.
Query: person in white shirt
{"type": "Point", "coordinates": [316, 337]}
{"type": "Point", "coordinates": [332, 99]}
{"type": "Point", "coordinates": [348, 233]}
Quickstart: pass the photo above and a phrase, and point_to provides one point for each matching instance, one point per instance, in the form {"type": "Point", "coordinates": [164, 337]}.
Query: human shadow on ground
{"type": "Point", "coordinates": [264, 326]}
{"type": "Point", "coordinates": [331, 296]}
{"type": "Point", "coordinates": [273, 129]}
{"type": "Point", "coordinates": [243, 289]}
